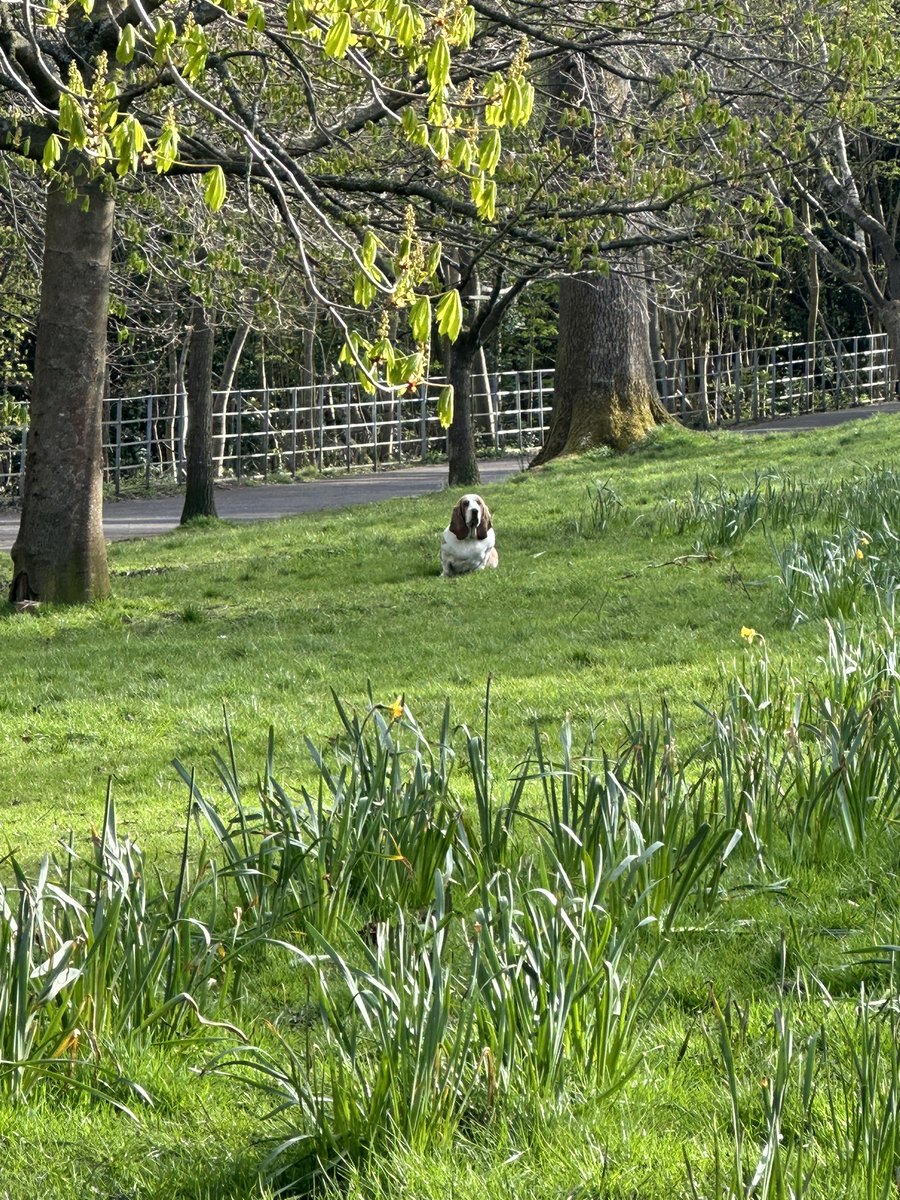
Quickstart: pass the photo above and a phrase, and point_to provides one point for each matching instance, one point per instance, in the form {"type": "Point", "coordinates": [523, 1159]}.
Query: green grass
{"type": "Point", "coordinates": [265, 620]}
{"type": "Point", "coordinates": [603, 604]}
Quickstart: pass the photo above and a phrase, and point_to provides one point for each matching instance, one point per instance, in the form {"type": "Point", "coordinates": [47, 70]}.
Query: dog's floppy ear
{"type": "Point", "coordinates": [485, 523]}
{"type": "Point", "coordinates": [458, 522]}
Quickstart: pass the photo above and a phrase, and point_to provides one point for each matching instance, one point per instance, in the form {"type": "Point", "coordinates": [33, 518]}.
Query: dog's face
{"type": "Point", "coordinates": [470, 518]}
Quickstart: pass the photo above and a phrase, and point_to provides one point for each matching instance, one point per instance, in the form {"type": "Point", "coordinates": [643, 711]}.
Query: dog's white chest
{"type": "Point", "coordinates": [461, 555]}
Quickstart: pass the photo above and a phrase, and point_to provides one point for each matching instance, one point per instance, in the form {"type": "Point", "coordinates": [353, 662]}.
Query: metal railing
{"type": "Point", "coordinates": [281, 432]}
{"type": "Point", "coordinates": [776, 381]}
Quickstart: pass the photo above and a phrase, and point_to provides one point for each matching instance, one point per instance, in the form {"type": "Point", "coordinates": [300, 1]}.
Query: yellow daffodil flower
{"type": "Point", "coordinates": [748, 633]}
{"type": "Point", "coordinates": [396, 709]}
{"type": "Point", "coordinates": [859, 554]}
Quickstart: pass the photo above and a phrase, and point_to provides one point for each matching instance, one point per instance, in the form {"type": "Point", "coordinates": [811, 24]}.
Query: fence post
{"type": "Point", "coordinates": [738, 388]}
{"type": "Point", "coordinates": [807, 381]}
{"type": "Point", "coordinates": [423, 423]}
{"type": "Point", "coordinates": [790, 378]}
{"type": "Point", "coordinates": [239, 414]}
{"type": "Point", "coordinates": [519, 410]}
{"type": "Point", "coordinates": [754, 373]}
{"type": "Point", "coordinates": [662, 382]}
{"type": "Point", "coordinates": [717, 384]}
{"type": "Point", "coordinates": [293, 433]}
{"type": "Point", "coordinates": [347, 394]}
{"type": "Point", "coordinates": [871, 370]}
{"type": "Point", "coordinates": [321, 453]}
{"type": "Point", "coordinates": [541, 417]}
{"type": "Point", "coordinates": [838, 373]}
{"type": "Point", "coordinates": [149, 433]}
{"type": "Point", "coordinates": [887, 370]}
{"type": "Point", "coordinates": [265, 434]}
{"type": "Point", "coordinates": [118, 447]}
{"type": "Point", "coordinates": [855, 355]}
{"type": "Point", "coordinates": [375, 432]}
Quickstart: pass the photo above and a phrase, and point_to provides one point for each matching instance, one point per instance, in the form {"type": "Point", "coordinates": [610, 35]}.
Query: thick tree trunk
{"type": "Point", "coordinates": [463, 464]}
{"type": "Point", "coordinates": [220, 400]}
{"type": "Point", "coordinates": [605, 388]}
{"type": "Point", "coordinates": [199, 492]}
{"type": "Point", "coordinates": [60, 553]}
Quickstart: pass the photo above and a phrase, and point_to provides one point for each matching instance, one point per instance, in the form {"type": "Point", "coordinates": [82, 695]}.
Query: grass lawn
{"type": "Point", "coordinates": [265, 620]}
{"type": "Point", "coordinates": [614, 593]}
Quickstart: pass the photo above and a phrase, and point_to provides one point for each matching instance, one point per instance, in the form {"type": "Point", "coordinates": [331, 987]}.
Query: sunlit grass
{"type": "Point", "coordinates": [633, 733]}
{"type": "Point", "coordinates": [265, 620]}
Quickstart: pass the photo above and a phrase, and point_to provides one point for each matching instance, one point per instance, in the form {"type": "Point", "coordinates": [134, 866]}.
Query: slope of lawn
{"type": "Point", "coordinates": [265, 621]}
{"type": "Point", "coordinates": [631, 589]}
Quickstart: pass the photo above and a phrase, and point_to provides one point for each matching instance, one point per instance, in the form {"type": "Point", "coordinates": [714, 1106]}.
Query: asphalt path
{"type": "Point", "coordinates": [124, 519]}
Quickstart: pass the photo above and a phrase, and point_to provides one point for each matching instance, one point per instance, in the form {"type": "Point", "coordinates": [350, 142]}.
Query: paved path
{"type": "Point", "coordinates": [819, 420]}
{"type": "Point", "coordinates": [143, 518]}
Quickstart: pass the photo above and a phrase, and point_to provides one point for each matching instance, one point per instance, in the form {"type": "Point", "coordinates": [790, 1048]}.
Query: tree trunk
{"type": "Point", "coordinates": [60, 553]}
{"type": "Point", "coordinates": [199, 492]}
{"type": "Point", "coordinates": [220, 400]}
{"type": "Point", "coordinates": [888, 314]}
{"type": "Point", "coordinates": [604, 389]}
{"type": "Point", "coordinates": [812, 272]}
{"type": "Point", "coordinates": [463, 464]}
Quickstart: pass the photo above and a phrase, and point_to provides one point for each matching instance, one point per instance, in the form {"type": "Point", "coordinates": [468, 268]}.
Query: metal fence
{"type": "Point", "coordinates": [280, 432]}
{"type": "Point", "coordinates": [776, 381]}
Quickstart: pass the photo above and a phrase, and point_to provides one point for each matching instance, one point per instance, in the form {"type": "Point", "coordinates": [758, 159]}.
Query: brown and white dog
{"type": "Point", "coordinates": [468, 541]}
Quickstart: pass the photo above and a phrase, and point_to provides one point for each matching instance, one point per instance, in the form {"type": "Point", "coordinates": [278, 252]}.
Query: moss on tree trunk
{"type": "Point", "coordinates": [605, 386]}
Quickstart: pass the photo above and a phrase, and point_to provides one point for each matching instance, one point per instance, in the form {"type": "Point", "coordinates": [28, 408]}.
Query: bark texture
{"type": "Point", "coordinates": [605, 387]}
{"type": "Point", "coordinates": [888, 313]}
{"type": "Point", "coordinates": [463, 465]}
{"type": "Point", "coordinates": [60, 553]}
{"type": "Point", "coordinates": [199, 490]}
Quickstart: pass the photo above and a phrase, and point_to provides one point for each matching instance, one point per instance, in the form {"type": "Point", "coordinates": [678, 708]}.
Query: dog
{"type": "Point", "coordinates": [468, 541]}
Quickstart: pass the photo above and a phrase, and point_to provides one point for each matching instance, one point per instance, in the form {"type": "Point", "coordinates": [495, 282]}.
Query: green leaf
{"type": "Point", "coordinates": [52, 152]}
{"type": "Point", "coordinates": [434, 259]}
{"type": "Point", "coordinates": [197, 49]}
{"type": "Point", "coordinates": [440, 144]}
{"type": "Point", "coordinates": [214, 189]}
{"type": "Point", "coordinates": [512, 103]}
{"type": "Point", "coordinates": [437, 67]}
{"type": "Point", "coordinates": [297, 20]}
{"type": "Point", "coordinates": [445, 407]}
{"type": "Point", "coordinates": [409, 26]}
{"type": "Point", "coordinates": [449, 315]}
{"type": "Point", "coordinates": [126, 46]}
{"type": "Point", "coordinates": [416, 131]}
{"type": "Point", "coordinates": [489, 151]}
{"type": "Point", "coordinates": [369, 249]}
{"type": "Point", "coordinates": [71, 121]}
{"type": "Point", "coordinates": [166, 145]}
{"type": "Point", "coordinates": [337, 40]}
{"type": "Point", "coordinates": [256, 19]}
{"type": "Point", "coordinates": [461, 154]}
{"type": "Point", "coordinates": [364, 289]}
{"type": "Point", "coordinates": [420, 319]}
{"type": "Point", "coordinates": [128, 140]}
